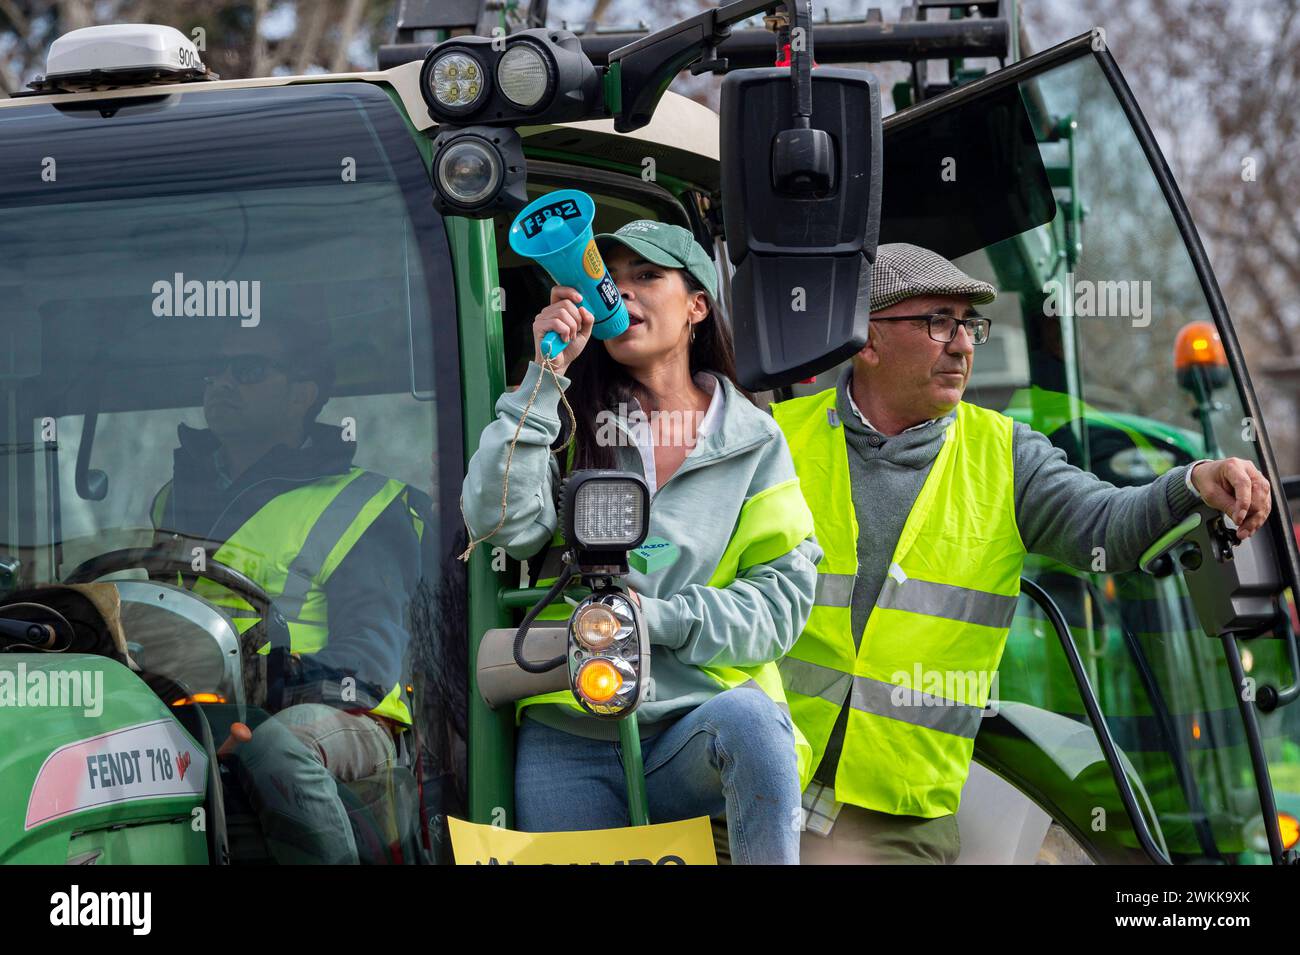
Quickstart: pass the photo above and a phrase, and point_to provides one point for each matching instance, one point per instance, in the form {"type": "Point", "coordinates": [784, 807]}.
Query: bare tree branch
{"type": "Point", "coordinates": [347, 30]}
{"type": "Point", "coordinates": [75, 14]}
{"type": "Point", "coordinates": [17, 19]}
{"type": "Point", "coordinates": [258, 65]}
{"type": "Point", "coordinates": [597, 11]}
{"type": "Point", "coordinates": [311, 37]}
{"type": "Point", "coordinates": [1271, 314]}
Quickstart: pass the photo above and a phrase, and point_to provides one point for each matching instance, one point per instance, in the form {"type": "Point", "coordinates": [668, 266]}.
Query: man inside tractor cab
{"type": "Point", "coordinates": [926, 507]}
{"type": "Point", "coordinates": [273, 493]}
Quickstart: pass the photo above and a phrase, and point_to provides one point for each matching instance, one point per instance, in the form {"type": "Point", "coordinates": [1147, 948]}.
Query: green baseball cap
{"type": "Point", "coordinates": [668, 245]}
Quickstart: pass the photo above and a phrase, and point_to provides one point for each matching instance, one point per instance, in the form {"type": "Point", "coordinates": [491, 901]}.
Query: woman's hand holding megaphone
{"type": "Point", "coordinates": [568, 319]}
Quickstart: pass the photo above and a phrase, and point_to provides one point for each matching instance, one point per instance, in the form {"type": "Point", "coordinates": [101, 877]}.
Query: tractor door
{"type": "Point", "coordinates": [1045, 180]}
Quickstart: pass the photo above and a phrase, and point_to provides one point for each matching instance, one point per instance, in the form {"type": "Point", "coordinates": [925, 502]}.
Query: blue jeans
{"type": "Point", "coordinates": [732, 754]}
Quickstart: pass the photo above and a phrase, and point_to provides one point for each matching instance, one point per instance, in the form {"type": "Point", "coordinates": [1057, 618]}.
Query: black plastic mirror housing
{"type": "Point", "coordinates": [801, 207]}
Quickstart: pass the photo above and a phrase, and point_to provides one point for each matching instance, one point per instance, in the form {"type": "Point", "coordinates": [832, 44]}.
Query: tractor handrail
{"type": "Point", "coordinates": [861, 42]}
{"type": "Point", "coordinates": [1057, 619]}
{"type": "Point", "coordinates": [1258, 760]}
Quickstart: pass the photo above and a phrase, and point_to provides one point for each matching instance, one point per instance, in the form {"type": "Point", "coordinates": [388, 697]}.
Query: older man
{"type": "Point", "coordinates": [926, 507]}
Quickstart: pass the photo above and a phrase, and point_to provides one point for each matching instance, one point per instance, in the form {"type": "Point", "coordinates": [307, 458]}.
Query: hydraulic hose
{"type": "Point", "coordinates": [521, 634]}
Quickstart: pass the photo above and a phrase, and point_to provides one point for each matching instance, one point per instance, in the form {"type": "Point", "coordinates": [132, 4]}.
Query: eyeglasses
{"type": "Point", "coordinates": [943, 328]}
{"type": "Point", "coordinates": [245, 369]}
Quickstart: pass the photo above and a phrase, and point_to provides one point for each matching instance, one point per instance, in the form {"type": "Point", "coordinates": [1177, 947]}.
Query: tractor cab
{"type": "Point", "coordinates": [188, 262]}
{"type": "Point", "coordinates": [197, 272]}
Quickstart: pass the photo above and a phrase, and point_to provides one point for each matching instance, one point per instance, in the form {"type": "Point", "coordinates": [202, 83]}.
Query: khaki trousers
{"type": "Point", "coordinates": [862, 836]}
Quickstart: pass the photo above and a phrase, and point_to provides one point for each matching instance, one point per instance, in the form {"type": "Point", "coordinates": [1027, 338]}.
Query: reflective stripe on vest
{"type": "Point", "coordinates": [882, 699]}
{"type": "Point", "coordinates": [291, 546]}
{"type": "Point", "coordinates": [771, 523]}
{"type": "Point", "coordinates": [945, 600]}
{"type": "Point", "coordinates": [917, 682]}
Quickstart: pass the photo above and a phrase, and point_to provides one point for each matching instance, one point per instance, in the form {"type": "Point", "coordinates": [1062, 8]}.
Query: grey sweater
{"type": "Point", "coordinates": [1062, 512]}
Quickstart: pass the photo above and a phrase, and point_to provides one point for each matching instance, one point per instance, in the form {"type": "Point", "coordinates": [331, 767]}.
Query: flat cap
{"type": "Point", "coordinates": [902, 270]}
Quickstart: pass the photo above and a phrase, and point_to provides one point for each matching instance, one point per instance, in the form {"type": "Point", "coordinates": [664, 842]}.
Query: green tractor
{"type": "Point", "coordinates": [147, 207]}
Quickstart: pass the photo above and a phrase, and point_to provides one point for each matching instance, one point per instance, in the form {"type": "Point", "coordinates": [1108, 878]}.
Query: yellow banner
{"type": "Point", "coordinates": [671, 843]}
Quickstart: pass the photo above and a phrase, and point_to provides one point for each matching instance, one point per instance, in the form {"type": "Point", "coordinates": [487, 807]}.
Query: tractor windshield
{"type": "Point", "coordinates": [218, 347]}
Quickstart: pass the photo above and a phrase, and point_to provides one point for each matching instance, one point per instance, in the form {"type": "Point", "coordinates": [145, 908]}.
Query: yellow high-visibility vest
{"type": "Point", "coordinates": [291, 546]}
{"type": "Point", "coordinates": [919, 679]}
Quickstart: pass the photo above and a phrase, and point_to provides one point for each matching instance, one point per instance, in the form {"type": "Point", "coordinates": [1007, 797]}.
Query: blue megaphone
{"type": "Point", "coordinates": [555, 231]}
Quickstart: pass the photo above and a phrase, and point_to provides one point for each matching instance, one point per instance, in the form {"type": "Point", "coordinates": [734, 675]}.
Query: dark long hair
{"type": "Point", "coordinates": [600, 383]}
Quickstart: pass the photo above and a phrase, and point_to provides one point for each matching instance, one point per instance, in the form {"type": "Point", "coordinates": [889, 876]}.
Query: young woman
{"type": "Point", "coordinates": [660, 400]}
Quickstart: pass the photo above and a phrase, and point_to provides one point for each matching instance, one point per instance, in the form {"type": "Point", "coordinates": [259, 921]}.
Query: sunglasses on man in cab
{"type": "Point", "coordinates": [245, 369]}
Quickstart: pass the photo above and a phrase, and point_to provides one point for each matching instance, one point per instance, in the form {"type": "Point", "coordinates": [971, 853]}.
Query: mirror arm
{"type": "Point", "coordinates": [801, 65]}
{"type": "Point", "coordinates": [644, 67]}
{"type": "Point", "coordinates": [91, 484]}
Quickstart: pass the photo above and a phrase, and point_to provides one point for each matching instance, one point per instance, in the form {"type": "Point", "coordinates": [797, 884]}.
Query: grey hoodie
{"type": "Point", "coordinates": [755, 619]}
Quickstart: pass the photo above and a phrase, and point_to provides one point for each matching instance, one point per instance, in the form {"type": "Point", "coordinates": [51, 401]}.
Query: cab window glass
{"type": "Point", "coordinates": [220, 318]}
{"type": "Point", "coordinates": [1090, 303]}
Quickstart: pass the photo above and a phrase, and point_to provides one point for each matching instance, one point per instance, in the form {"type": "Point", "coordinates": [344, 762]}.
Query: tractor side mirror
{"type": "Point", "coordinates": [801, 204]}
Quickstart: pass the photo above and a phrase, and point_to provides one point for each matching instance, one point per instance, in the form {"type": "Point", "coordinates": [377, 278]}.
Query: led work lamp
{"type": "Point", "coordinates": [605, 514]}
{"type": "Point", "coordinates": [504, 80]}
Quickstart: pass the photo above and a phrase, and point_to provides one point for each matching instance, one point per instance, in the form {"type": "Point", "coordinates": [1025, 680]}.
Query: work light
{"type": "Point", "coordinates": [605, 514]}
{"type": "Point", "coordinates": [469, 171]}
{"type": "Point", "coordinates": [478, 171]}
{"type": "Point", "coordinates": [608, 654]}
{"type": "Point", "coordinates": [596, 626]}
{"type": "Point", "coordinates": [534, 74]}
{"type": "Point", "coordinates": [456, 80]}
{"type": "Point", "coordinates": [524, 75]}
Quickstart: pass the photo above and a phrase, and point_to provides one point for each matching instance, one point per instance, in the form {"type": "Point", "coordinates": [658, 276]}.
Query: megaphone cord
{"type": "Point", "coordinates": [548, 365]}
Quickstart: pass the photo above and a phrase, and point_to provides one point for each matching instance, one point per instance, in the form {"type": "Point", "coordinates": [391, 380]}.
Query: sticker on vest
{"type": "Point", "coordinates": [897, 573]}
{"type": "Point", "coordinates": [654, 555]}
{"type": "Point", "coordinates": [832, 417]}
